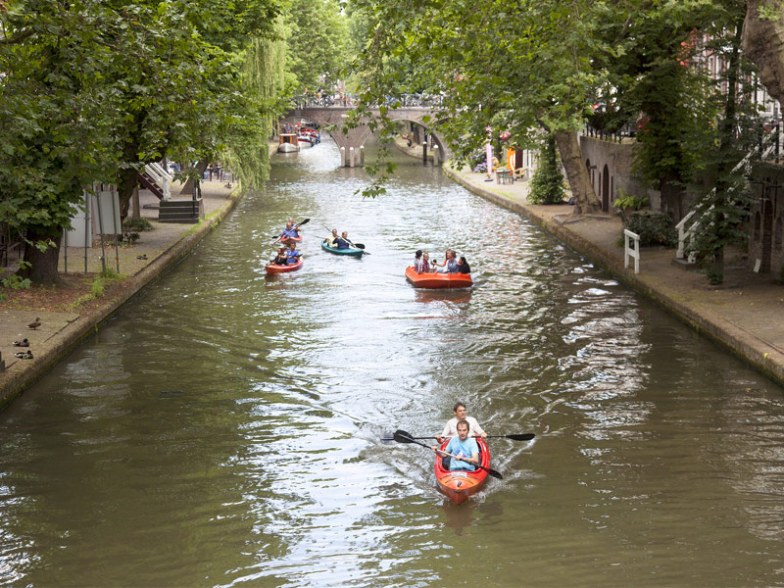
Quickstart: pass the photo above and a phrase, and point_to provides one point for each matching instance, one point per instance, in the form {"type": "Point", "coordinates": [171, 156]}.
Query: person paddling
{"type": "Point", "coordinates": [343, 242]}
{"type": "Point", "coordinates": [281, 257]}
{"type": "Point", "coordinates": [461, 414]}
{"type": "Point", "coordinates": [331, 241]}
{"type": "Point", "coordinates": [292, 255]}
{"type": "Point", "coordinates": [290, 232]}
{"type": "Point", "coordinates": [462, 450]}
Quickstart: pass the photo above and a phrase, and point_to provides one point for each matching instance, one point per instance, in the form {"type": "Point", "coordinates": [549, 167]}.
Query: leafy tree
{"type": "Point", "coordinates": [317, 42]}
{"type": "Point", "coordinates": [517, 66]}
{"type": "Point", "coordinates": [547, 184]}
{"type": "Point", "coordinates": [90, 88]}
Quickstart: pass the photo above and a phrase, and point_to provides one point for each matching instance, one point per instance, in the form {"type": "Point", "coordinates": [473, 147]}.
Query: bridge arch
{"type": "Point", "coordinates": [332, 119]}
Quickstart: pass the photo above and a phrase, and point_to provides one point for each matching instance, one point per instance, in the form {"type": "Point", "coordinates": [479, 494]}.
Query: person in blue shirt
{"type": "Point", "coordinates": [342, 242]}
{"type": "Point", "coordinates": [292, 255]}
{"type": "Point", "coordinates": [463, 450]}
{"type": "Point", "coordinates": [290, 232]}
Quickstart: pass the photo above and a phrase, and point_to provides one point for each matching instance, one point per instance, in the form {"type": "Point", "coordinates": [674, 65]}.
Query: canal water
{"type": "Point", "coordinates": [224, 428]}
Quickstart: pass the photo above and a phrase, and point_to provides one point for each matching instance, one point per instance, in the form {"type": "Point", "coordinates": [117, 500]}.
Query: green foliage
{"type": "Point", "coordinates": [654, 228]}
{"type": "Point", "coordinates": [317, 42]}
{"type": "Point", "coordinates": [93, 90]}
{"type": "Point", "coordinates": [137, 224]}
{"type": "Point", "coordinates": [16, 282]}
{"type": "Point", "coordinates": [630, 202]}
{"type": "Point", "coordinates": [547, 184]}
{"type": "Point", "coordinates": [516, 66]}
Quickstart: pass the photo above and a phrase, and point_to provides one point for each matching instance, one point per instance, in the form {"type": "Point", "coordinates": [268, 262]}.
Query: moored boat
{"type": "Point", "coordinates": [288, 143]}
{"type": "Point", "coordinates": [460, 485]}
{"type": "Point", "coordinates": [352, 251]}
{"type": "Point", "coordinates": [437, 280]}
{"type": "Point", "coordinates": [274, 268]}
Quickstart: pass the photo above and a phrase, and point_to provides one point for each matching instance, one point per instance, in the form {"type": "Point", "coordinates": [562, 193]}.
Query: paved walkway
{"type": "Point", "coordinates": [139, 263]}
{"type": "Point", "coordinates": [746, 313]}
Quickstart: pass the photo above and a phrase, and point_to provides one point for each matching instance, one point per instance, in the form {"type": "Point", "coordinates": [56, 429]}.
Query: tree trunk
{"type": "Point", "coordinates": [129, 180]}
{"type": "Point", "coordinates": [43, 264]}
{"type": "Point", "coordinates": [672, 199]}
{"type": "Point", "coordinates": [763, 44]}
{"type": "Point", "coordinates": [576, 173]}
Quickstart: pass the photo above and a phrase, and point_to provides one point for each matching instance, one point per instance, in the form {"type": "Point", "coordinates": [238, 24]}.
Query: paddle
{"type": "Point", "coordinates": [513, 437]}
{"type": "Point", "coordinates": [404, 437]}
{"type": "Point", "coordinates": [304, 222]}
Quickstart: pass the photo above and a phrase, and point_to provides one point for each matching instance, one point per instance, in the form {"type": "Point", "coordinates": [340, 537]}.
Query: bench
{"type": "Point", "coordinates": [504, 176]}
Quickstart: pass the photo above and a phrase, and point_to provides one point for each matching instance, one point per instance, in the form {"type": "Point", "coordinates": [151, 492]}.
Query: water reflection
{"type": "Point", "coordinates": [239, 416]}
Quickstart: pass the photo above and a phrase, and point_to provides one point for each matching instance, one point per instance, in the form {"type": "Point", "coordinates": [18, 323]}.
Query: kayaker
{"type": "Point", "coordinates": [290, 232]}
{"type": "Point", "coordinates": [331, 241]}
{"type": "Point", "coordinates": [292, 255]}
{"type": "Point", "coordinates": [462, 266]}
{"type": "Point", "coordinates": [463, 450]}
{"type": "Point", "coordinates": [461, 414]}
{"type": "Point", "coordinates": [342, 242]}
{"type": "Point", "coordinates": [281, 257]}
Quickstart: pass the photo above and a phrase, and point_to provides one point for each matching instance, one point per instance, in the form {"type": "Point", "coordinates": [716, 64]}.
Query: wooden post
{"type": "Point", "coordinates": [436, 155]}
{"type": "Point", "coordinates": [424, 153]}
{"type": "Point", "coordinates": [343, 161]}
{"type": "Point", "coordinates": [351, 156]}
{"type": "Point", "coordinates": [136, 209]}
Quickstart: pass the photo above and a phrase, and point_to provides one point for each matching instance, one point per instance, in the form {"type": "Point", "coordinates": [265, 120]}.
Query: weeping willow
{"type": "Point", "coordinates": [264, 87]}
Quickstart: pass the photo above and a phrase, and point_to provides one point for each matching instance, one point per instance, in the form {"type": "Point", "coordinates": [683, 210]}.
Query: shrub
{"type": "Point", "coordinates": [654, 228]}
{"type": "Point", "coordinates": [547, 183]}
{"type": "Point", "coordinates": [137, 224]}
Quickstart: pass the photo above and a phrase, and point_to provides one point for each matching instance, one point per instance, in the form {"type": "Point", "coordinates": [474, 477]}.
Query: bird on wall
{"type": "Point", "coordinates": [35, 324]}
{"type": "Point", "coordinates": [22, 343]}
{"type": "Point", "coordinates": [24, 354]}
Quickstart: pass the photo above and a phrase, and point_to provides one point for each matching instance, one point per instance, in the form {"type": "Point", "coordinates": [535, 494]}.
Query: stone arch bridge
{"type": "Point", "coordinates": [332, 119]}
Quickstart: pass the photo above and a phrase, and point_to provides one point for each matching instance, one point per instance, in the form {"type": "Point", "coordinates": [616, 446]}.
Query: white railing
{"type": "Point", "coordinates": [631, 249]}
{"type": "Point", "coordinates": [684, 235]}
{"type": "Point", "coordinates": [161, 177]}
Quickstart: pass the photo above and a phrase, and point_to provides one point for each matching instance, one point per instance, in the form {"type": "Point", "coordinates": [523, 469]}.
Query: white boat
{"type": "Point", "coordinates": [304, 141]}
{"type": "Point", "coordinates": [288, 143]}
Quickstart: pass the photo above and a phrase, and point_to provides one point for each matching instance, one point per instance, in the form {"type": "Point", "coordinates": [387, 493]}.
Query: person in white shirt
{"type": "Point", "coordinates": [450, 429]}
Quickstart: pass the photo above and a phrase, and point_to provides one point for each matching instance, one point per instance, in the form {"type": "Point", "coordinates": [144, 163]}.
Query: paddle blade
{"type": "Point", "coordinates": [304, 222]}
{"type": "Point", "coordinates": [521, 437]}
{"type": "Point", "coordinates": [359, 245]}
{"type": "Point", "coordinates": [494, 473]}
{"type": "Point", "coordinates": [402, 437]}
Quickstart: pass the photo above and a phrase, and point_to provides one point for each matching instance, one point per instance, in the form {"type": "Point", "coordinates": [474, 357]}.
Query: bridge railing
{"type": "Point", "coordinates": [348, 100]}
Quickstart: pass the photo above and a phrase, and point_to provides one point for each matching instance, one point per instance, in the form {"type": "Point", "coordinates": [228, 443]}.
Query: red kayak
{"type": "Point", "coordinates": [274, 268]}
{"type": "Point", "coordinates": [460, 485]}
{"type": "Point", "coordinates": [437, 280]}
{"type": "Point", "coordinates": [290, 239]}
